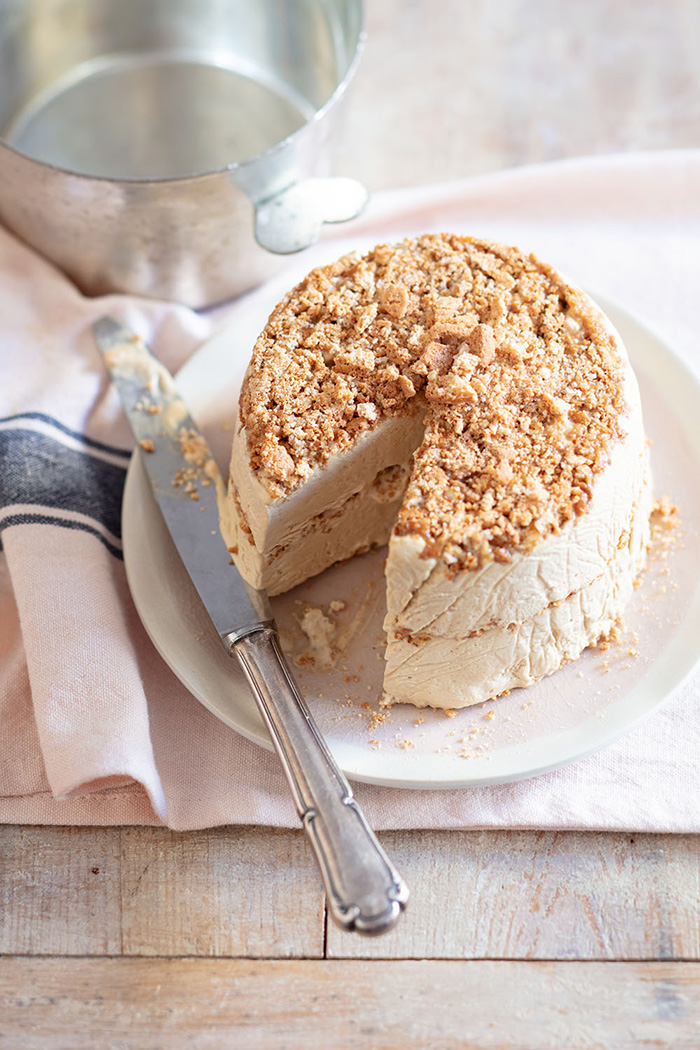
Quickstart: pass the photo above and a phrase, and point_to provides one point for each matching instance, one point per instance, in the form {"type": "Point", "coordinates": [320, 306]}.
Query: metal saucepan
{"type": "Point", "coordinates": [147, 145]}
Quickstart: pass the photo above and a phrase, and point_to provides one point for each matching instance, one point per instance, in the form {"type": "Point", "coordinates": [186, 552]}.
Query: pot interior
{"type": "Point", "coordinates": [149, 89]}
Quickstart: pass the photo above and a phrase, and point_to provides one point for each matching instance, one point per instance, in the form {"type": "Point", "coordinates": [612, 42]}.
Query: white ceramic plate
{"type": "Point", "coordinates": [579, 709]}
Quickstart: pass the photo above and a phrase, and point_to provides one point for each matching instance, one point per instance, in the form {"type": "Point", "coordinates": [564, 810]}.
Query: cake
{"type": "Point", "coordinates": [465, 403]}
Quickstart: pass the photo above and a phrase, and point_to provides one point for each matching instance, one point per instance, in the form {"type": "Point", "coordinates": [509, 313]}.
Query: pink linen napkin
{"type": "Point", "coordinates": [95, 728]}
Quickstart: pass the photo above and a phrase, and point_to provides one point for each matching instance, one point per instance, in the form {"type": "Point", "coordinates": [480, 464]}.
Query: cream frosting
{"type": "Point", "coordinates": [456, 635]}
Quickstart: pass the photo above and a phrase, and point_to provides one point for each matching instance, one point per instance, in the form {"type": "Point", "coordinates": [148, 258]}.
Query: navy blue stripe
{"type": "Point", "coordinates": [45, 519]}
{"type": "Point", "coordinates": [39, 470]}
{"type": "Point", "coordinates": [90, 442]}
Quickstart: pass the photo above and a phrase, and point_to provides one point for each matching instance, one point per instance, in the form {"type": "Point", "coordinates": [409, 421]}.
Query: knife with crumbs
{"type": "Point", "coordinates": [365, 892]}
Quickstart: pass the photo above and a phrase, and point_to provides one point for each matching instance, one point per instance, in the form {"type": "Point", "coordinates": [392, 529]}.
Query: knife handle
{"type": "Point", "coordinates": [365, 892]}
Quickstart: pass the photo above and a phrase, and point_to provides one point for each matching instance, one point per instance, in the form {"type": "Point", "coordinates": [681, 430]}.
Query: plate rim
{"type": "Point", "coordinates": [679, 378]}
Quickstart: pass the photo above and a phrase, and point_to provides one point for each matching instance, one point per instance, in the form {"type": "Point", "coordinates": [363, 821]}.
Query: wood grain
{"type": "Point", "coordinates": [208, 1004]}
{"type": "Point", "coordinates": [255, 893]}
{"type": "Point", "coordinates": [149, 891]}
{"type": "Point", "coordinates": [223, 892]}
{"type": "Point", "coordinates": [540, 895]}
{"type": "Point", "coordinates": [59, 891]}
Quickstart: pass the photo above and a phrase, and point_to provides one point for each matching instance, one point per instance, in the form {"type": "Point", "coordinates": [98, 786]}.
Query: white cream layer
{"type": "Point", "coordinates": [343, 508]}
{"type": "Point", "coordinates": [449, 671]}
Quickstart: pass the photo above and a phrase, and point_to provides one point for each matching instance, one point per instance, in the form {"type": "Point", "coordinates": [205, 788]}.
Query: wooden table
{"type": "Point", "coordinates": [141, 938]}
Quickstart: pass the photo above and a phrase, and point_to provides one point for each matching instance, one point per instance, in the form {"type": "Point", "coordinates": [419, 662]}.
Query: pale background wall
{"type": "Point", "coordinates": [448, 88]}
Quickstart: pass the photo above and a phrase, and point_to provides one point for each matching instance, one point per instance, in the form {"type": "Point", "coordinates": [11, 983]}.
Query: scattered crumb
{"type": "Point", "coordinates": [320, 632]}
{"type": "Point", "coordinates": [612, 635]}
{"type": "Point", "coordinates": [148, 406]}
{"type": "Point", "coordinates": [194, 446]}
{"type": "Point", "coordinates": [147, 445]}
{"type": "Point", "coordinates": [376, 720]}
{"type": "Point", "coordinates": [664, 515]}
{"type": "Point", "coordinates": [665, 530]}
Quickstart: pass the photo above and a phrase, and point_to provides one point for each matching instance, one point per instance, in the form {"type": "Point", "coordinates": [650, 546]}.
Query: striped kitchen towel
{"type": "Point", "coordinates": [73, 707]}
{"type": "Point", "coordinates": [54, 475]}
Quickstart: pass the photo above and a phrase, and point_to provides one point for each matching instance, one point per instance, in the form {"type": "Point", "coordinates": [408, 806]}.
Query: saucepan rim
{"type": "Point", "coordinates": [247, 162]}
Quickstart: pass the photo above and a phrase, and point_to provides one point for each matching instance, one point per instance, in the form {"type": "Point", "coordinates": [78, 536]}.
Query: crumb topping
{"type": "Point", "coordinates": [519, 375]}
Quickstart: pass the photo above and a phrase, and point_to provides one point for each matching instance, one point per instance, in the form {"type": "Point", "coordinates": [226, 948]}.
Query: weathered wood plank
{"type": "Point", "coordinates": [136, 1004]}
{"type": "Point", "coordinates": [255, 893]}
{"type": "Point", "coordinates": [226, 892]}
{"type": "Point", "coordinates": [59, 891]}
{"type": "Point", "coordinates": [148, 891]}
{"type": "Point", "coordinates": [537, 895]}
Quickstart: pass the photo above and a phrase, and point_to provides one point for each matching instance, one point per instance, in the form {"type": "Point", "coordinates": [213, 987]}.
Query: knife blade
{"type": "Point", "coordinates": [365, 892]}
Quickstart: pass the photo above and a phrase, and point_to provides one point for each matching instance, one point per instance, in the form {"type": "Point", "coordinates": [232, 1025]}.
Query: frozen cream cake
{"type": "Point", "coordinates": [464, 402]}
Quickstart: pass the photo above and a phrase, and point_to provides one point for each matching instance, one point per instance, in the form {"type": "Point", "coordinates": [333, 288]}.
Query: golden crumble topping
{"type": "Point", "coordinates": [519, 375]}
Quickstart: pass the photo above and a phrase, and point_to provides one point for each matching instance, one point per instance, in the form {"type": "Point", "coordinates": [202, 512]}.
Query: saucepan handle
{"type": "Point", "coordinates": [365, 892]}
{"type": "Point", "coordinates": [292, 219]}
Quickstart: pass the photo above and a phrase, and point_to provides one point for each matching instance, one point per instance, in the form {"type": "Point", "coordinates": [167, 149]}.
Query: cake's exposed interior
{"type": "Point", "coordinates": [463, 399]}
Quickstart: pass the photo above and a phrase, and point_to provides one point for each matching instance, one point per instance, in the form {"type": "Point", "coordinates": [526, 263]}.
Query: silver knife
{"type": "Point", "coordinates": [365, 892]}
